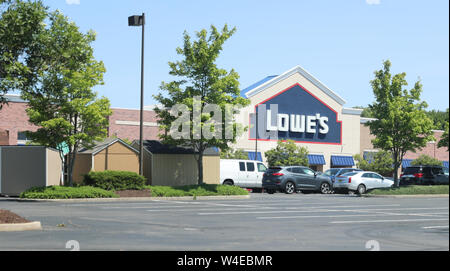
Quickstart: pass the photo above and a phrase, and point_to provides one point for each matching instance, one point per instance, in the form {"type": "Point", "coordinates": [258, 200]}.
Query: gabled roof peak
{"type": "Point", "coordinates": [272, 80]}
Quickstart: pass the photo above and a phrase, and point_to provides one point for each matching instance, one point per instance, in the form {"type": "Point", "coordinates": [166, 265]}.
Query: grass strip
{"type": "Point", "coordinates": [413, 190]}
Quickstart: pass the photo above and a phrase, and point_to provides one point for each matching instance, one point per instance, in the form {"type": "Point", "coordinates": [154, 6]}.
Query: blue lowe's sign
{"type": "Point", "coordinates": [296, 114]}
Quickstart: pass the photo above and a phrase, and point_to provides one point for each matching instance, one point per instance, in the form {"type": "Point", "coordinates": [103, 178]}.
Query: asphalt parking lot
{"type": "Point", "coordinates": [299, 222]}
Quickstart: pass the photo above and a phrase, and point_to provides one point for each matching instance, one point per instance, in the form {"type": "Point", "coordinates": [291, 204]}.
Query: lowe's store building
{"type": "Point", "coordinates": [297, 106]}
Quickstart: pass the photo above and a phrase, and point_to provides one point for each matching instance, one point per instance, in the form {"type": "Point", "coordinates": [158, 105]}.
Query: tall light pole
{"type": "Point", "coordinates": [137, 20]}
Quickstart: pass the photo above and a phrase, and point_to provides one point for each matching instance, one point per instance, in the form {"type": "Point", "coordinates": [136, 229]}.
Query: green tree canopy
{"type": "Point", "coordinates": [21, 30]}
{"type": "Point", "coordinates": [380, 162]}
{"type": "Point", "coordinates": [63, 103]}
{"type": "Point", "coordinates": [287, 154]}
{"type": "Point", "coordinates": [425, 160]}
{"type": "Point", "coordinates": [443, 142]}
{"type": "Point", "coordinates": [401, 123]}
{"type": "Point", "coordinates": [233, 154]}
{"type": "Point", "coordinates": [206, 90]}
{"type": "Point", "coordinates": [439, 118]}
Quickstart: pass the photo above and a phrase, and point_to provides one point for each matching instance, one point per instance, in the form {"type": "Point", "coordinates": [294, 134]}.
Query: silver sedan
{"type": "Point", "coordinates": [361, 182]}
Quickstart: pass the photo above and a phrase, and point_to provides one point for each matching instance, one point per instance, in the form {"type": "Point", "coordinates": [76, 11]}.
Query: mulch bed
{"type": "Point", "coordinates": [134, 193]}
{"type": "Point", "coordinates": [7, 217]}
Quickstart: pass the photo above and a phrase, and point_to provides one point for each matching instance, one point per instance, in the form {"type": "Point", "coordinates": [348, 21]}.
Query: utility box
{"type": "Point", "coordinates": [24, 167]}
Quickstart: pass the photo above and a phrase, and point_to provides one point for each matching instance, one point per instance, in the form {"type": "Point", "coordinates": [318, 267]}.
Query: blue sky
{"type": "Point", "coordinates": [340, 42]}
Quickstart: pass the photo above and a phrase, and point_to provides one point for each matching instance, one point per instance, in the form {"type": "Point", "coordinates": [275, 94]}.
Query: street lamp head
{"type": "Point", "coordinates": [136, 20]}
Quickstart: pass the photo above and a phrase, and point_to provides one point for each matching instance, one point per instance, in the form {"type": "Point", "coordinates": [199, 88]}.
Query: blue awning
{"type": "Point", "coordinates": [406, 162]}
{"type": "Point", "coordinates": [251, 156]}
{"type": "Point", "coordinates": [316, 159]}
{"type": "Point", "coordinates": [342, 160]}
{"type": "Point", "coordinates": [445, 164]}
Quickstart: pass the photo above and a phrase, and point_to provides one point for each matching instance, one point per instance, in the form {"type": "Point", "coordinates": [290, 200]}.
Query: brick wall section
{"type": "Point", "coordinates": [14, 119]}
{"type": "Point", "coordinates": [4, 137]}
{"type": "Point", "coordinates": [431, 149]}
{"type": "Point", "coordinates": [131, 131]}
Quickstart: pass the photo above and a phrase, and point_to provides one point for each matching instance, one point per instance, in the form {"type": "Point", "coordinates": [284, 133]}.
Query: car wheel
{"type": "Point", "coordinates": [325, 188]}
{"type": "Point", "coordinates": [289, 188]}
{"type": "Point", "coordinates": [228, 182]}
{"type": "Point", "coordinates": [270, 191]}
{"type": "Point", "coordinates": [361, 189]}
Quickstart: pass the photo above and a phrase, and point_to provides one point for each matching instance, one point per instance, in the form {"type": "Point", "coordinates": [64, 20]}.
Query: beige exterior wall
{"type": "Point", "coordinates": [211, 169]}
{"type": "Point", "coordinates": [54, 168]}
{"type": "Point", "coordinates": [116, 157]}
{"type": "Point", "coordinates": [366, 139]}
{"type": "Point", "coordinates": [82, 166]}
{"type": "Point", "coordinates": [350, 123]}
{"type": "Point", "coordinates": [174, 170]}
{"type": "Point", "coordinates": [181, 169]}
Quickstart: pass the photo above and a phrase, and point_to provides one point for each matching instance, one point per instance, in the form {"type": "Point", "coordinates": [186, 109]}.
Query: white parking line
{"type": "Point", "coordinates": [387, 221]}
{"type": "Point", "coordinates": [435, 227]}
{"type": "Point", "coordinates": [360, 215]}
{"type": "Point", "coordinates": [316, 210]}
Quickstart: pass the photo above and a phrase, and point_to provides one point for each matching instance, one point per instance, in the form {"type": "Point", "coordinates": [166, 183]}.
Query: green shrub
{"type": "Point", "coordinates": [196, 190]}
{"type": "Point", "coordinates": [63, 192]}
{"type": "Point", "coordinates": [115, 180]}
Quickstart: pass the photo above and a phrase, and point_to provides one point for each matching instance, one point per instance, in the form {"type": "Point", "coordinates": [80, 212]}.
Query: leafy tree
{"type": "Point", "coordinates": [401, 123]}
{"type": "Point", "coordinates": [63, 104]}
{"type": "Point", "coordinates": [21, 29]}
{"type": "Point", "coordinates": [366, 113]}
{"type": "Point", "coordinates": [443, 142]}
{"type": "Point", "coordinates": [425, 160]}
{"type": "Point", "coordinates": [287, 154]}
{"type": "Point", "coordinates": [439, 118]}
{"type": "Point", "coordinates": [380, 162]}
{"type": "Point", "coordinates": [233, 154]}
{"type": "Point", "coordinates": [201, 85]}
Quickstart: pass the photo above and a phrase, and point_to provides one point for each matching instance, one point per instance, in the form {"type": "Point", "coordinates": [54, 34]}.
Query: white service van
{"type": "Point", "coordinates": [243, 173]}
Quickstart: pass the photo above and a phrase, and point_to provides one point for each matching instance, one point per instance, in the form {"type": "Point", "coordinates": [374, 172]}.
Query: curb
{"type": "Point", "coordinates": [148, 199]}
{"type": "Point", "coordinates": [32, 226]}
{"type": "Point", "coordinates": [408, 196]}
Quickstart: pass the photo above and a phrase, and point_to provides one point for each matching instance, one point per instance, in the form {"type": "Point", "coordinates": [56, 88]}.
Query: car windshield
{"type": "Point", "coordinates": [273, 170]}
{"type": "Point", "coordinates": [331, 172]}
{"type": "Point", "coordinates": [350, 173]}
{"type": "Point", "coordinates": [411, 170]}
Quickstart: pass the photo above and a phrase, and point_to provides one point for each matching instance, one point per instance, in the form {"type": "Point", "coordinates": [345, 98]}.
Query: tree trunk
{"type": "Point", "coordinates": [396, 180]}
{"type": "Point", "coordinates": [70, 165]}
{"type": "Point", "coordinates": [200, 167]}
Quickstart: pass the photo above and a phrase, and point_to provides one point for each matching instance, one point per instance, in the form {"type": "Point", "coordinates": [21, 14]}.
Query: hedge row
{"type": "Point", "coordinates": [63, 192]}
{"type": "Point", "coordinates": [115, 180]}
{"type": "Point", "coordinates": [195, 190]}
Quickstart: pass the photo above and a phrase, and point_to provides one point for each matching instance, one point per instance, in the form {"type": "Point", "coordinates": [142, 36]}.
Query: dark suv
{"type": "Point", "coordinates": [424, 175]}
{"type": "Point", "coordinates": [289, 179]}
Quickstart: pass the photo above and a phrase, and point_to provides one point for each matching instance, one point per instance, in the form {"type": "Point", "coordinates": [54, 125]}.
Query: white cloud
{"type": "Point", "coordinates": [73, 2]}
{"type": "Point", "coordinates": [373, 2]}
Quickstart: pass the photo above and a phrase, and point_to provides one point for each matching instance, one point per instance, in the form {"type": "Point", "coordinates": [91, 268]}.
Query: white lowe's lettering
{"type": "Point", "coordinates": [298, 123]}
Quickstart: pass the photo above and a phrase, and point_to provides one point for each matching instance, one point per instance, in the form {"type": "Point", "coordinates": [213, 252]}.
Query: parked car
{"type": "Point", "coordinates": [334, 172]}
{"type": "Point", "coordinates": [290, 179]}
{"type": "Point", "coordinates": [361, 182]}
{"type": "Point", "coordinates": [243, 173]}
{"type": "Point", "coordinates": [424, 175]}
